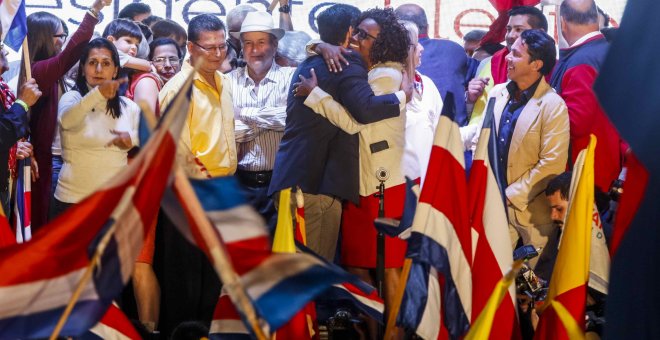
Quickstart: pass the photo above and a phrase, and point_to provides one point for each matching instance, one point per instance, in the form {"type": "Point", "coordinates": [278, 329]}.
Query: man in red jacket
{"type": "Point", "coordinates": [573, 79]}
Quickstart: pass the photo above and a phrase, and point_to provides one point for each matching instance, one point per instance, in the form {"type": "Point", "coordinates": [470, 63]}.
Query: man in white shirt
{"type": "Point", "coordinates": [260, 96]}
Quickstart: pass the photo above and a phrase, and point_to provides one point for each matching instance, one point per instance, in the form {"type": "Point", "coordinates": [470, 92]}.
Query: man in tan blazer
{"type": "Point", "coordinates": [532, 127]}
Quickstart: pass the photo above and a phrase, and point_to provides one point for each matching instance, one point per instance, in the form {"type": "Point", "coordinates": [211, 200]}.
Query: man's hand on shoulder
{"type": "Point", "coordinates": [333, 56]}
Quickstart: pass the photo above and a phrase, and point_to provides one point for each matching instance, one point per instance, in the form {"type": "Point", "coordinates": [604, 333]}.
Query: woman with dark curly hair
{"type": "Point", "coordinates": [383, 43]}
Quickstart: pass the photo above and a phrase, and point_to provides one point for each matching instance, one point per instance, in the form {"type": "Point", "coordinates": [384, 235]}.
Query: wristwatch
{"type": "Point", "coordinates": [285, 9]}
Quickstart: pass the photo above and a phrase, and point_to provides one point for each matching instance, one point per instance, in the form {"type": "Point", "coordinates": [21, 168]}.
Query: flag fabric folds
{"type": "Point", "coordinates": [14, 22]}
{"type": "Point", "coordinates": [40, 277]}
{"type": "Point", "coordinates": [493, 255]}
{"type": "Point", "coordinates": [440, 245]}
{"type": "Point", "coordinates": [482, 327]}
{"type": "Point", "coordinates": [401, 228]}
{"type": "Point", "coordinates": [278, 285]}
{"type": "Point", "coordinates": [22, 201]}
{"type": "Point", "coordinates": [563, 312]}
{"type": "Point", "coordinates": [113, 326]}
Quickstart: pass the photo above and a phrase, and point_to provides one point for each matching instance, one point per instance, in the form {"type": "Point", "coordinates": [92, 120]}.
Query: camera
{"type": "Point", "coordinates": [527, 282]}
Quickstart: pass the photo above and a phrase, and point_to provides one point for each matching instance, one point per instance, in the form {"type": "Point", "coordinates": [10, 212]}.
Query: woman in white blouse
{"type": "Point", "coordinates": [97, 126]}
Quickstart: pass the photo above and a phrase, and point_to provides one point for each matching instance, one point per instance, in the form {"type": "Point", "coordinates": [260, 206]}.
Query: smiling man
{"type": "Point", "coordinates": [260, 91]}
{"type": "Point", "coordinates": [531, 121]}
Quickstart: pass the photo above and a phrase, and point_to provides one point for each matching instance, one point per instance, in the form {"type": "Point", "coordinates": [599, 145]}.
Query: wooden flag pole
{"type": "Point", "coordinates": [26, 59]}
{"type": "Point", "coordinates": [88, 273]}
{"type": "Point", "coordinates": [390, 330]}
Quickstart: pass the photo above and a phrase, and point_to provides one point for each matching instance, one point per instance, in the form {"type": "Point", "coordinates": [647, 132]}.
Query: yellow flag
{"type": "Point", "coordinates": [481, 327]}
{"type": "Point", "coordinates": [283, 240]}
{"type": "Point", "coordinates": [565, 303]}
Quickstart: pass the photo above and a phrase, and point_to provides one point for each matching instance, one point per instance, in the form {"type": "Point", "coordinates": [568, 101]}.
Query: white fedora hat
{"type": "Point", "coordinates": [259, 21]}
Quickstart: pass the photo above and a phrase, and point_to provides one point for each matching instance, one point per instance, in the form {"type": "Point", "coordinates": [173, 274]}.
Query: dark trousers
{"type": "Point", "coordinates": [189, 286]}
{"type": "Point", "coordinates": [255, 186]}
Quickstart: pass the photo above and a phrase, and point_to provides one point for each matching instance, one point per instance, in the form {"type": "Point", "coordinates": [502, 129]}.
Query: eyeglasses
{"type": "Point", "coordinates": [362, 34]}
{"type": "Point", "coordinates": [212, 49]}
{"type": "Point", "coordinates": [162, 60]}
{"type": "Point", "coordinates": [61, 36]}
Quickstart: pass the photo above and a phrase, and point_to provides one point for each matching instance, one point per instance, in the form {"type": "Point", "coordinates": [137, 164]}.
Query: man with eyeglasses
{"type": "Point", "coordinates": [260, 91]}
{"type": "Point", "coordinates": [211, 150]}
{"type": "Point", "coordinates": [206, 149]}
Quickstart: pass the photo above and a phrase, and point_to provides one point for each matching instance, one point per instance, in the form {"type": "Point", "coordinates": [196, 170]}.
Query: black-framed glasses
{"type": "Point", "coordinates": [362, 34]}
{"type": "Point", "coordinates": [162, 60]}
{"type": "Point", "coordinates": [61, 36]}
{"type": "Point", "coordinates": [212, 49]}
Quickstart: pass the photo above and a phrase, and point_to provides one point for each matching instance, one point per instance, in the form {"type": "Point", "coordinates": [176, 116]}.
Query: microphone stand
{"type": "Point", "coordinates": [380, 248]}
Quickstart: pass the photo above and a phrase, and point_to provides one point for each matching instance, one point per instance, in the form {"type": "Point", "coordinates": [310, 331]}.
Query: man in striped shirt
{"type": "Point", "coordinates": [260, 95]}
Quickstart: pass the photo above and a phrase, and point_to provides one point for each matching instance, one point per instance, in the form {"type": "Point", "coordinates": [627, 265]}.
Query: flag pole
{"type": "Point", "coordinates": [26, 59]}
{"type": "Point", "coordinates": [390, 330]}
{"type": "Point", "coordinates": [219, 256]}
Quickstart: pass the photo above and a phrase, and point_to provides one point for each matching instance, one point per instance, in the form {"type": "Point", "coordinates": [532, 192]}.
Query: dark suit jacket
{"type": "Point", "coordinates": [313, 153]}
{"type": "Point", "coordinates": [13, 125]}
{"type": "Point", "coordinates": [446, 63]}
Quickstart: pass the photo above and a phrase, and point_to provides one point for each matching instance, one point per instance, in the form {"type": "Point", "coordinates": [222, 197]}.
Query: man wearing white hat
{"type": "Point", "coordinates": [260, 92]}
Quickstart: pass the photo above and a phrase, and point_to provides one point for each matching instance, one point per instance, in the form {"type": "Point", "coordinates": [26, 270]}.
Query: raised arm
{"type": "Point", "coordinates": [48, 72]}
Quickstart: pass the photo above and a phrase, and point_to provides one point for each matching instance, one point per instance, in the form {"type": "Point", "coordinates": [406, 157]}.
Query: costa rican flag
{"type": "Point", "coordinates": [14, 22]}
{"type": "Point", "coordinates": [22, 201]}
{"type": "Point", "coordinates": [113, 326]}
{"type": "Point", "coordinates": [493, 255]}
{"type": "Point", "coordinates": [40, 277]}
{"type": "Point", "coordinates": [278, 285]}
{"type": "Point", "coordinates": [438, 298]}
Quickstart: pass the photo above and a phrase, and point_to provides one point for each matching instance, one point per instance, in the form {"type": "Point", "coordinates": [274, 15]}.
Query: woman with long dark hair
{"type": "Point", "coordinates": [46, 36]}
{"type": "Point", "coordinates": [97, 126]}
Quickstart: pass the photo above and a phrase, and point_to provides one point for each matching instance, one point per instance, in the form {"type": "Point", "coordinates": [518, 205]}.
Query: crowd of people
{"type": "Point", "coordinates": [333, 118]}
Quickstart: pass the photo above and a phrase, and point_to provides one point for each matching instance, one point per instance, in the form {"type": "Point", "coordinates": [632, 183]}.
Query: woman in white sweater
{"type": "Point", "coordinates": [97, 126]}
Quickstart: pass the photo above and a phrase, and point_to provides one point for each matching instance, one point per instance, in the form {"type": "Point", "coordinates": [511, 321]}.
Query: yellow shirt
{"type": "Point", "coordinates": [208, 145]}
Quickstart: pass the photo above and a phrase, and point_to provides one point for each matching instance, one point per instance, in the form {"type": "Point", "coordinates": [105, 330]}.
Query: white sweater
{"type": "Point", "coordinates": [385, 78]}
{"type": "Point", "coordinates": [85, 131]}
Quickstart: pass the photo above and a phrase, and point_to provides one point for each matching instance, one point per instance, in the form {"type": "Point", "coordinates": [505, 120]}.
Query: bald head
{"type": "Point", "coordinates": [578, 18]}
{"type": "Point", "coordinates": [414, 13]}
{"type": "Point", "coordinates": [579, 12]}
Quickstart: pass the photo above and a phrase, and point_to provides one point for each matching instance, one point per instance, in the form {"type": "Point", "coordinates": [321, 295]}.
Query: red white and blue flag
{"type": "Point", "coordinates": [14, 22]}
{"type": "Point", "coordinates": [40, 277]}
{"type": "Point", "coordinates": [493, 255]}
{"type": "Point", "coordinates": [113, 326]}
{"type": "Point", "coordinates": [278, 284]}
{"type": "Point", "coordinates": [22, 201]}
{"type": "Point", "coordinates": [437, 301]}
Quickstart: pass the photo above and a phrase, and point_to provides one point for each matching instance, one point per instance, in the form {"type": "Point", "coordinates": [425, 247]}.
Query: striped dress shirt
{"type": "Point", "coordinates": [260, 116]}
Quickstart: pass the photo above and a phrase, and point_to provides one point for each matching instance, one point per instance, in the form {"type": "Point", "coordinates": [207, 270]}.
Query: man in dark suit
{"type": "Point", "coordinates": [445, 61]}
{"type": "Point", "coordinates": [316, 155]}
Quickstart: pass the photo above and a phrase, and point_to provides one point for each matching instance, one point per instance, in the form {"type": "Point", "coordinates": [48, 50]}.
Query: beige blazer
{"type": "Point", "coordinates": [538, 152]}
